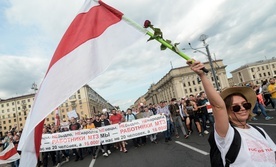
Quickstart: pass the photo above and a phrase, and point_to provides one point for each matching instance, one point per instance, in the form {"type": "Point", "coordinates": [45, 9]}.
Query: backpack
{"type": "Point", "coordinates": [230, 157]}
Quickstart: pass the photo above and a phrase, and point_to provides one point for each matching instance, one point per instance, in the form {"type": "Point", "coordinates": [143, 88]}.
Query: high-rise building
{"type": "Point", "coordinates": [86, 102]}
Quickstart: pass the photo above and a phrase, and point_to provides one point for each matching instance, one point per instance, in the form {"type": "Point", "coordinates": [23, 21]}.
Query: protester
{"type": "Point", "coordinates": [190, 108]}
{"type": "Point", "coordinates": [148, 113]}
{"type": "Point", "coordinates": [202, 106]}
{"type": "Point", "coordinates": [232, 109]}
{"type": "Point", "coordinates": [76, 126]}
{"type": "Point", "coordinates": [141, 114]}
{"type": "Point", "coordinates": [163, 110]}
{"type": "Point", "coordinates": [131, 117]}
{"type": "Point", "coordinates": [104, 122]}
{"type": "Point", "coordinates": [272, 90]}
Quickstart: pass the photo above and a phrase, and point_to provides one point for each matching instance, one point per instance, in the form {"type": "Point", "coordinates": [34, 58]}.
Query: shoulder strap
{"type": "Point", "coordinates": [234, 148]}
{"type": "Point", "coordinates": [258, 129]}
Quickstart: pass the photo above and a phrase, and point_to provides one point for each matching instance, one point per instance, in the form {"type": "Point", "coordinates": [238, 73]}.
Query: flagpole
{"type": "Point", "coordinates": [159, 39]}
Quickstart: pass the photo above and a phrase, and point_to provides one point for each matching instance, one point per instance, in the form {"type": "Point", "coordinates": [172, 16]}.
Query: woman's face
{"type": "Point", "coordinates": [243, 114]}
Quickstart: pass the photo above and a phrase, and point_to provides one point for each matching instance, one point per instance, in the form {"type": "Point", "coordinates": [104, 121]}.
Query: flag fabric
{"type": "Point", "coordinates": [57, 117]}
{"type": "Point", "coordinates": [84, 52]}
{"type": "Point", "coordinates": [9, 154]}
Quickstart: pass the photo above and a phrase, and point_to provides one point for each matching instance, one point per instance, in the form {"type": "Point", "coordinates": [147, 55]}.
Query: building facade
{"type": "Point", "coordinates": [86, 102]}
{"type": "Point", "coordinates": [182, 81]}
{"type": "Point", "coordinates": [254, 72]}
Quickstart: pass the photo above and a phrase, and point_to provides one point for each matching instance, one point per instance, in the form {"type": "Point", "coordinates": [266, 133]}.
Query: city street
{"type": "Point", "coordinates": [190, 152]}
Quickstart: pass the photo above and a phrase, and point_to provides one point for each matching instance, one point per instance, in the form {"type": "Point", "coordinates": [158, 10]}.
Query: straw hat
{"type": "Point", "coordinates": [248, 93]}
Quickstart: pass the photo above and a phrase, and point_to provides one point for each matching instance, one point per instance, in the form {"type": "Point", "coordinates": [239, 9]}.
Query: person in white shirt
{"type": "Point", "coordinates": [232, 108]}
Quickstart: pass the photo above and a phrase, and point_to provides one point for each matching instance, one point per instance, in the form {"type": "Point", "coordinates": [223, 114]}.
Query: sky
{"type": "Point", "coordinates": [239, 32]}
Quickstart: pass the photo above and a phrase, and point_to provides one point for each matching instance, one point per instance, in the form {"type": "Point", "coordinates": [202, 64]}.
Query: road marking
{"type": "Point", "coordinates": [94, 160]}
{"type": "Point", "coordinates": [262, 124]}
{"type": "Point", "coordinates": [192, 148]}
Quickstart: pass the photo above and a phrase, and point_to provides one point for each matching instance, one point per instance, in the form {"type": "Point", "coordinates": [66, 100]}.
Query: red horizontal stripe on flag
{"type": "Point", "coordinates": [8, 154]}
{"type": "Point", "coordinates": [84, 27]}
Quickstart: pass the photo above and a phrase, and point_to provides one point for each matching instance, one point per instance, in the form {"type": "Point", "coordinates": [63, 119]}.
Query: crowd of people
{"type": "Point", "coordinates": [187, 115]}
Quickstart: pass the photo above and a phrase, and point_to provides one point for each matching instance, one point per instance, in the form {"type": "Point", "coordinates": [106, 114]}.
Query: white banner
{"type": "Point", "coordinates": [103, 135]}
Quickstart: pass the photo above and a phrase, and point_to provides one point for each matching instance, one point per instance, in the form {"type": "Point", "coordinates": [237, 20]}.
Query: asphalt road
{"type": "Point", "coordinates": [191, 152]}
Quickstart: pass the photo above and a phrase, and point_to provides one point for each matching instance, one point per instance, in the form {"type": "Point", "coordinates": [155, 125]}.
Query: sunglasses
{"type": "Point", "coordinates": [237, 108]}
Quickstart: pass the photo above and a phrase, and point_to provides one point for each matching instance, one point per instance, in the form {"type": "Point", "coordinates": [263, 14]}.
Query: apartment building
{"type": "Point", "coordinates": [254, 72]}
{"type": "Point", "coordinates": [86, 102]}
{"type": "Point", "coordinates": [182, 81]}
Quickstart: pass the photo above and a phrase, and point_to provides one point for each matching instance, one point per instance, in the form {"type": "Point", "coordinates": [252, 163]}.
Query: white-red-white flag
{"type": "Point", "coordinates": [9, 154]}
{"type": "Point", "coordinates": [57, 117]}
{"type": "Point", "coordinates": [84, 52]}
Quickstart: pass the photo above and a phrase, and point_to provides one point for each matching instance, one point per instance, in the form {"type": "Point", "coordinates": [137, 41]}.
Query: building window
{"type": "Point", "coordinates": [14, 120]}
{"type": "Point", "coordinates": [79, 96]}
{"type": "Point", "coordinates": [266, 66]}
{"type": "Point", "coordinates": [184, 85]}
{"type": "Point", "coordinates": [2, 105]}
{"type": "Point", "coordinates": [29, 100]}
{"type": "Point", "coordinates": [4, 122]}
{"type": "Point", "coordinates": [252, 69]}
{"type": "Point", "coordinates": [264, 74]}
{"type": "Point", "coordinates": [13, 103]}
{"type": "Point", "coordinates": [20, 119]}
{"type": "Point", "coordinates": [189, 84]}
{"type": "Point", "coordinates": [53, 118]}
{"type": "Point", "coordinates": [191, 90]}
{"type": "Point", "coordinates": [260, 75]}
{"type": "Point", "coordinates": [80, 102]}
{"type": "Point", "coordinates": [7, 104]}
{"type": "Point", "coordinates": [193, 82]}
{"type": "Point", "coordinates": [14, 115]}
{"type": "Point", "coordinates": [29, 106]}
{"type": "Point", "coordinates": [3, 116]}
{"type": "Point", "coordinates": [78, 91]}
{"type": "Point", "coordinates": [47, 119]}
{"type": "Point", "coordinates": [17, 102]}
{"type": "Point", "coordinates": [254, 76]}
{"type": "Point", "coordinates": [13, 109]}
{"type": "Point", "coordinates": [9, 121]}
{"type": "Point", "coordinates": [18, 108]}
{"type": "Point", "coordinates": [2, 111]}
{"type": "Point", "coordinates": [258, 68]}
{"type": "Point", "coordinates": [186, 91]}
{"type": "Point", "coordinates": [8, 110]}
{"type": "Point", "coordinates": [268, 73]}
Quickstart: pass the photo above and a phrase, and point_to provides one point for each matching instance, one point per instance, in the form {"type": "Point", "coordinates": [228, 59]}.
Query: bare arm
{"type": "Point", "coordinates": [218, 105]}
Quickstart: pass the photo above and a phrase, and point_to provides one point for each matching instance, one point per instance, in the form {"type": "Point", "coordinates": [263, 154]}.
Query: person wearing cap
{"type": "Point", "coordinates": [232, 108]}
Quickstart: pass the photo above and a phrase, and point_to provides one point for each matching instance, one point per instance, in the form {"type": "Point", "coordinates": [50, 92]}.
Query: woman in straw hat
{"type": "Point", "coordinates": [234, 107]}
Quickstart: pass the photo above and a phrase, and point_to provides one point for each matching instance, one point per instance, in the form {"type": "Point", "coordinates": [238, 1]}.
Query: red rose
{"type": "Point", "coordinates": [147, 24]}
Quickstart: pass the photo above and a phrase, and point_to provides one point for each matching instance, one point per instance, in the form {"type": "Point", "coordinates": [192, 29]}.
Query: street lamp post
{"type": "Point", "coordinates": [202, 38]}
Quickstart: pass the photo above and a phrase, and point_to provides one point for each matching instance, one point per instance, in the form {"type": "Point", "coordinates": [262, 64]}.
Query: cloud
{"type": "Point", "coordinates": [238, 32]}
{"type": "Point", "coordinates": [18, 74]}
